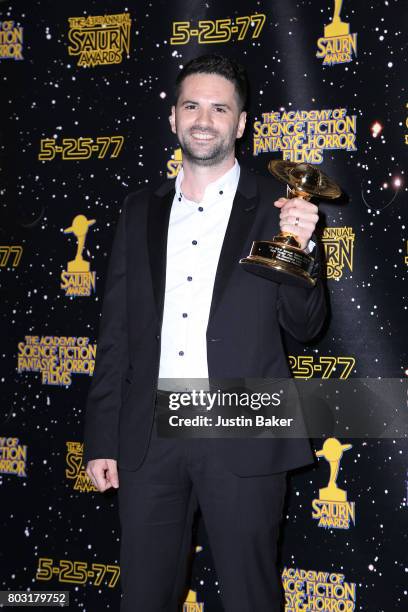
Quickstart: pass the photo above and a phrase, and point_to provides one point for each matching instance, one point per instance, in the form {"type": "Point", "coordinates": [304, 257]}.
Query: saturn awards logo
{"type": "Point", "coordinates": [191, 604]}
{"type": "Point", "coordinates": [337, 46]}
{"type": "Point", "coordinates": [99, 39]}
{"type": "Point", "coordinates": [76, 470]}
{"type": "Point", "coordinates": [174, 164]}
{"type": "Point", "coordinates": [332, 509]}
{"type": "Point", "coordinates": [338, 245]}
{"type": "Point", "coordinates": [78, 280]}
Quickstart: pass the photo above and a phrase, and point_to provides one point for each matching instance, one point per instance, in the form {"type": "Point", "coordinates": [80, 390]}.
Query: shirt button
{"type": "Point", "coordinates": [221, 192]}
{"type": "Point", "coordinates": [184, 315]}
{"type": "Point", "coordinates": [194, 242]}
{"type": "Point", "coordinates": [189, 278]}
{"type": "Point", "coordinates": [181, 353]}
{"type": "Point", "coordinates": [200, 208]}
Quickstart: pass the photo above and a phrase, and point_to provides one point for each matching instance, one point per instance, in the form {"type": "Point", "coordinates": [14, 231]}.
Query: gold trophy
{"type": "Point", "coordinates": [281, 259]}
{"type": "Point", "coordinates": [332, 451]}
{"type": "Point", "coordinates": [79, 227]}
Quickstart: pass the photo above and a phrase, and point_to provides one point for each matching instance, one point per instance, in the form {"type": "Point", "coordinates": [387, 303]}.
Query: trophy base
{"type": "Point", "coordinates": [332, 493]}
{"type": "Point", "coordinates": [336, 28]}
{"type": "Point", "coordinates": [280, 263]}
{"type": "Point", "coordinates": [78, 265]}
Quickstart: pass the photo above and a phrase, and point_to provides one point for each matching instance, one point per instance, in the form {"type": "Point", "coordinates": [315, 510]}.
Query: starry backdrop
{"type": "Point", "coordinates": [47, 95]}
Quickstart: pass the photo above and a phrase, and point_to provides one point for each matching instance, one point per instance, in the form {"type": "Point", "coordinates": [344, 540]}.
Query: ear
{"type": "Point", "coordinates": [172, 119]}
{"type": "Point", "coordinates": [241, 124]}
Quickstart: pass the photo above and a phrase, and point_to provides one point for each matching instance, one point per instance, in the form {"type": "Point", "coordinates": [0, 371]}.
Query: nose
{"type": "Point", "coordinates": [204, 117]}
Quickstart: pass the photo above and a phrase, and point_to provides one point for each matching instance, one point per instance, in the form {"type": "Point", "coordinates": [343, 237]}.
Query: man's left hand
{"type": "Point", "coordinates": [298, 217]}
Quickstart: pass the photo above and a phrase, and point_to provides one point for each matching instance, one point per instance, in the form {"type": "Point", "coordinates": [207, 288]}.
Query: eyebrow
{"type": "Point", "coordinates": [213, 104]}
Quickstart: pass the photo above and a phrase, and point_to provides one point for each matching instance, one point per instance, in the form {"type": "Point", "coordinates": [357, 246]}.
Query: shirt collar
{"type": "Point", "coordinates": [227, 183]}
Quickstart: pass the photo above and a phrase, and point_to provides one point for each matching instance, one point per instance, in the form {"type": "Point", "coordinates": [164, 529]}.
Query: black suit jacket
{"type": "Point", "coordinates": [243, 333]}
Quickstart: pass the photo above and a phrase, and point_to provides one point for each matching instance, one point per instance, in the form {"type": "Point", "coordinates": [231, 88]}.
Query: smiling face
{"type": "Point", "coordinates": [207, 119]}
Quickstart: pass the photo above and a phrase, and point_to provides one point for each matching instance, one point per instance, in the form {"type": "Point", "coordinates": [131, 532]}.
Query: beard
{"type": "Point", "coordinates": [206, 153]}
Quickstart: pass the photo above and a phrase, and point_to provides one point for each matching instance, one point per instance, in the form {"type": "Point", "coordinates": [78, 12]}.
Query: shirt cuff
{"type": "Point", "coordinates": [310, 246]}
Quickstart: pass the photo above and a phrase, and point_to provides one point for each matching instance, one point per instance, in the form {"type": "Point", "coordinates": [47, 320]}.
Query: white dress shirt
{"type": "Point", "coordinates": [195, 237]}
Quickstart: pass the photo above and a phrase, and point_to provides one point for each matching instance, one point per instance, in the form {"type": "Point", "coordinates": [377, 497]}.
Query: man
{"type": "Point", "coordinates": [178, 305]}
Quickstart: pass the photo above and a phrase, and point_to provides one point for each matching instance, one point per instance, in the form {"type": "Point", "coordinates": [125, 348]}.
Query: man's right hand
{"type": "Point", "coordinates": [103, 473]}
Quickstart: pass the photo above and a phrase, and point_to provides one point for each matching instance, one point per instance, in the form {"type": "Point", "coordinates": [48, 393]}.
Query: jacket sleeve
{"type": "Point", "coordinates": [302, 311]}
{"type": "Point", "coordinates": [104, 396]}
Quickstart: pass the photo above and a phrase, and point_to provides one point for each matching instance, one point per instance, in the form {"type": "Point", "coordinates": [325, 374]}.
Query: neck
{"type": "Point", "coordinates": [196, 178]}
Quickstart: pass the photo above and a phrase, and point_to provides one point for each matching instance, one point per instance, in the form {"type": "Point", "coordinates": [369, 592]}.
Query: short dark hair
{"type": "Point", "coordinates": [221, 65]}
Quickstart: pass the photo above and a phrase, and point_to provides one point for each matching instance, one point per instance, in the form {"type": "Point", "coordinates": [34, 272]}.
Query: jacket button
{"type": "Point", "coordinates": [158, 337]}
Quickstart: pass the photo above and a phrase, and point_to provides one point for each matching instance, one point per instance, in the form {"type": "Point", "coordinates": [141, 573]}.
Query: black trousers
{"type": "Point", "coordinates": [157, 504]}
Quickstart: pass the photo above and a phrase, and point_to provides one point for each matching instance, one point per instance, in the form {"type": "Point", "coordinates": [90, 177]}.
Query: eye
{"type": "Point", "coordinates": [220, 109]}
{"type": "Point", "coordinates": [190, 106]}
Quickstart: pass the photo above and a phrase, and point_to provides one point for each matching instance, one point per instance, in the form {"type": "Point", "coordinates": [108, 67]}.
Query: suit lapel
{"type": "Point", "coordinates": [157, 231]}
{"type": "Point", "coordinates": [239, 225]}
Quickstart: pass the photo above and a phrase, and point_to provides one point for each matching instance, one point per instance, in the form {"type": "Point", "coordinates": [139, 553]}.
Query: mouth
{"type": "Point", "coordinates": [202, 136]}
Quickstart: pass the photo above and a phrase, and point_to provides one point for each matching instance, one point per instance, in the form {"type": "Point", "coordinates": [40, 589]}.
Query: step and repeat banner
{"type": "Point", "coordinates": [86, 91]}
